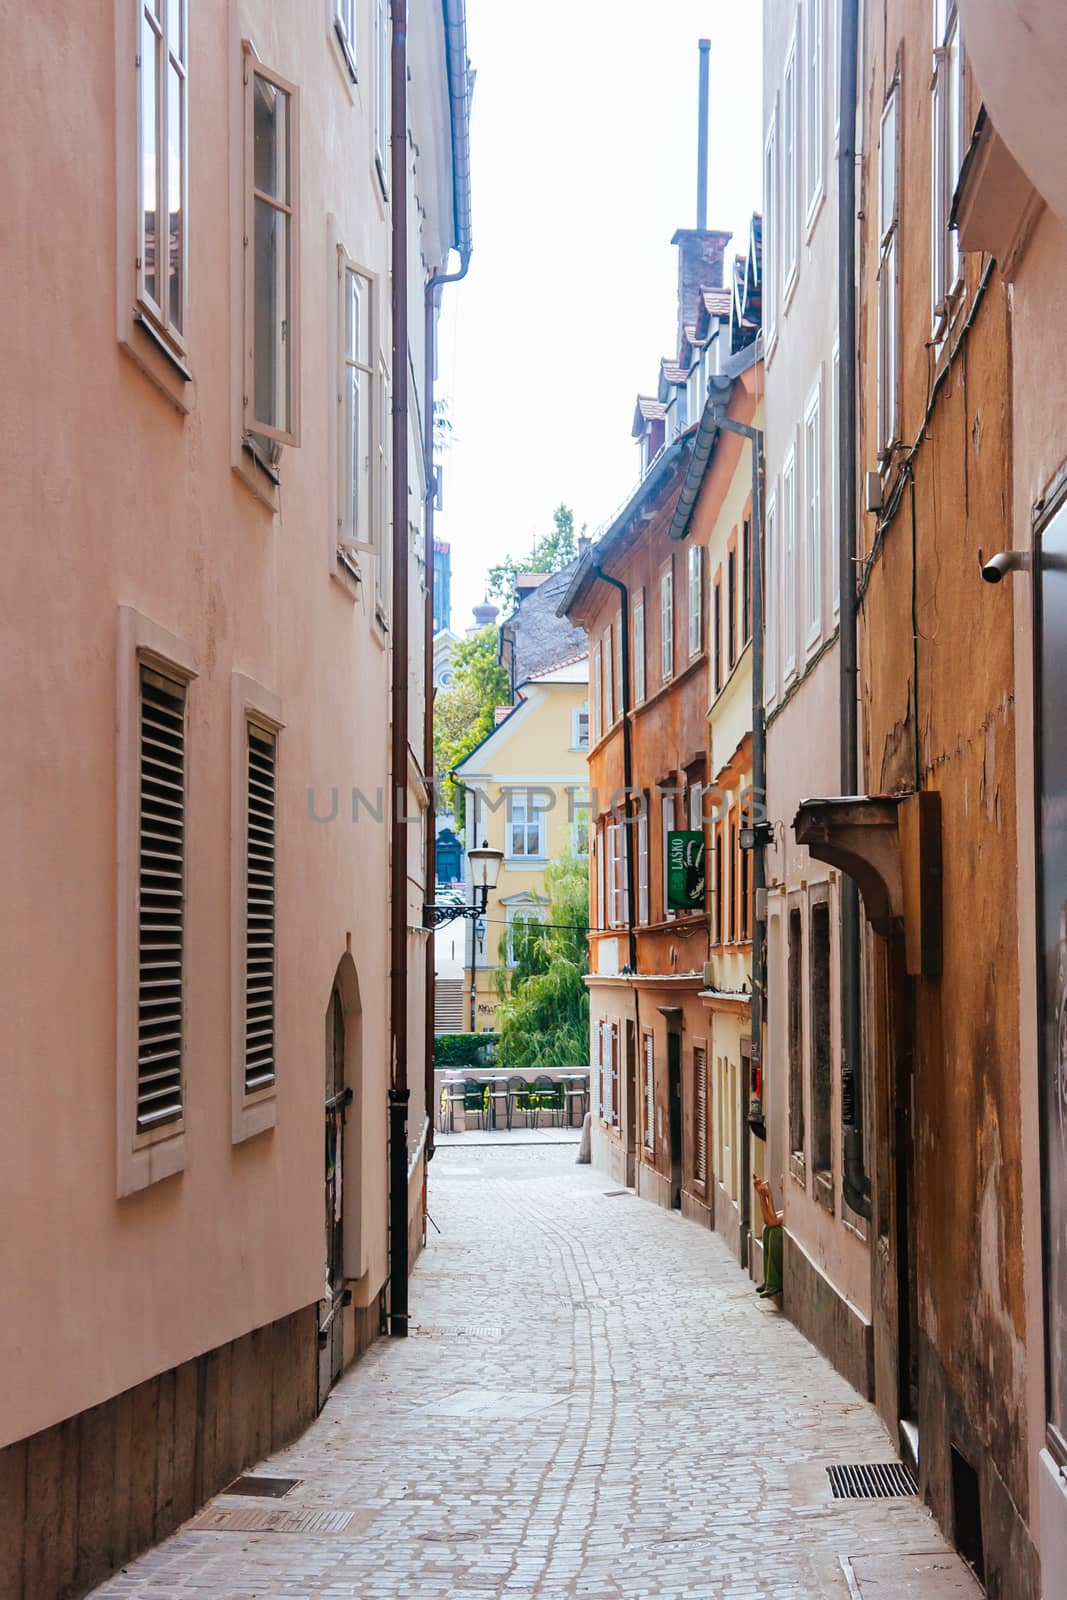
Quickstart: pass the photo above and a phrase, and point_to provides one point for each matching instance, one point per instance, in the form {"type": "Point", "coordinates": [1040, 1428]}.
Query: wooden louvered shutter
{"type": "Point", "coordinates": [650, 1093]}
{"type": "Point", "coordinates": [260, 909]}
{"type": "Point", "coordinates": [160, 900]}
{"type": "Point", "coordinates": [700, 1114]}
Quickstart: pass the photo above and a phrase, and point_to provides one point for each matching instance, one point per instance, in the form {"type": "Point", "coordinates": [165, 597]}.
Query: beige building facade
{"type": "Point", "coordinates": [200, 646]}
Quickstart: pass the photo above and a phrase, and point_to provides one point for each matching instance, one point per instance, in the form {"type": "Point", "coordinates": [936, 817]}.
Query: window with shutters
{"type": "Point", "coordinates": [598, 852]}
{"type": "Point", "coordinates": [613, 1076]}
{"type": "Point", "coordinates": [716, 626]}
{"type": "Point", "coordinates": [813, 560]}
{"type": "Point", "coordinates": [163, 248]}
{"type": "Point", "coordinates": [835, 447]}
{"type": "Point", "coordinates": [700, 1114]}
{"type": "Point", "coordinates": [648, 1092]}
{"type": "Point", "coordinates": [260, 923]}
{"type": "Point", "coordinates": [949, 144]}
{"type": "Point", "coordinates": [639, 647]}
{"type": "Point", "coordinates": [642, 862]}
{"type": "Point", "coordinates": [272, 386]}
{"type": "Point", "coordinates": [790, 208]}
{"type": "Point", "coordinates": [821, 1077]}
{"type": "Point", "coordinates": [666, 822]}
{"type": "Point", "coordinates": [770, 228]}
{"type": "Point", "coordinates": [731, 607]}
{"type": "Point", "coordinates": [608, 671]}
{"type": "Point", "coordinates": [155, 673]}
{"type": "Point", "coordinates": [597, 697]}
{"type": "Point", "coordinates": [161, 902]}
{"type": "Point", "coordinates": [789, 566]}
{"type": "Point", "coordinates": [356, 409]}
{"type": "Point", "coordinates": [771, 600]}
{"type": "Point", "coordinates": [382, 91]}
{"type": "Point", "coordinates": [696, 598]}
{"type": "Point", "coordinates": [888, 274]}
{"type": "Point", "coordinates": [344, 22]}
{"type": "Point", "coordinates": [666, 622]}
{"type": "Point", "coordinates": [719, 1112]}
{"type": "Point", "coordinates": [815, 133]}
{"type": "Point", "coordinates": [255, 727]}
{"type": "Point", "coordinates": [617, 881]}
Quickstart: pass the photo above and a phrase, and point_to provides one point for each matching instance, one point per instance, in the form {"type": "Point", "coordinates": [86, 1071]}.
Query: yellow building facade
{"type": "Point", "coordinates": [526, 792]}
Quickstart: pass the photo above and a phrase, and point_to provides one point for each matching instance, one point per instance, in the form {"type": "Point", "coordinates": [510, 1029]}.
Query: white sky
{"type": "Point", "coordinates": [584, 163]}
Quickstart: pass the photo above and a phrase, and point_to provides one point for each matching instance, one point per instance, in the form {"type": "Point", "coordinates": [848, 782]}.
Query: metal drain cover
{"type": "Point", "coordinates": [471, 1330]}
{"type": "Point", "coordinates": [235, 1519]}
{"type": "Point", "coordinates": [887, 1480]}
{"type": "Point", "coordinates": [265, 1488]}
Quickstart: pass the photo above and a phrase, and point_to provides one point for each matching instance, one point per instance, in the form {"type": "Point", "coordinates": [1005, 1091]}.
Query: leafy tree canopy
{"type": "Point", "coordinates": [464, 710]}
{"type": "Point", "coordinates": [544, 1009]}
{"type": "Point", "coordinates": [549, 553]}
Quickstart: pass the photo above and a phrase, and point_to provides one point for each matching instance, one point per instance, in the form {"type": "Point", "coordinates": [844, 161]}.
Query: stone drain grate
{"type": "Point", "coordinates": [470, 1330]}
{"type": "Point", "coordinates": [885, 1480]}
{"type": "Point", "coordinates": [263, 1488]}
{"type": "Point", "coordinates": [241, 1519]}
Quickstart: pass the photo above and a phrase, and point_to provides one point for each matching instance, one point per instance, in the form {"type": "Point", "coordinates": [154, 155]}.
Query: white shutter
{"type": "Point", "coordinates": [597, 707]}
{"type": "Point", "coordinates": [608, 1071]}
{"type": "Point", "coordinates": [639, 648]}
{"type": "Point", "coordinates": [649, 1075]}
{"type": "Point", "coordinates": [598, 850]}
{"type": "Point", "coordinates": [789, 565]}
{"type": "Point", "coordinates": [642, 864]}
{"type": "Point", "coordinates": [695, 597]}
{"type": "Point", "coordinates": [700, 1114]}
{"type": "Point", "coordinates": [666, 624]}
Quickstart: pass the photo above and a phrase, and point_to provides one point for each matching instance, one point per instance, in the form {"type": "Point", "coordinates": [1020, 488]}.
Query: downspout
{"type": "Point", "coordinates": [759, 785]}
{"type": "Point", "coordinates": [628, 783]}
{"type": "Point", "coordinates": [856, 1183]}
{"type": "Point", "coordinates": [399, 1088]}
{"type": "Point", "coordinates": [459, 102]}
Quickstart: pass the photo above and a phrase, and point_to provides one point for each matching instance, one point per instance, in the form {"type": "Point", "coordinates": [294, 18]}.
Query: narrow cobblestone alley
{"type": "Point", "coordinates": [593, 1402]}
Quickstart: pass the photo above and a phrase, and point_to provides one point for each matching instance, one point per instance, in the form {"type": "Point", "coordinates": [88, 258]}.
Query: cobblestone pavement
{"type": "Point", "coordinates": [593, 1403]}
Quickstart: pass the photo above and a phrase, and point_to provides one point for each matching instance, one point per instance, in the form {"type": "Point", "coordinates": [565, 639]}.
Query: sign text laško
{"type": "Point", "coordinates": [685, 871]}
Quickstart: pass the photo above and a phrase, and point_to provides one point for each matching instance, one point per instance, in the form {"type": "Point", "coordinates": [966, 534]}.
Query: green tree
{"type": "Point", "coordinates": [548, 554]}
{"type": "Point", "coordinates": [544, 1009]}
{"type": "Point", "coordinates": [464, 710]}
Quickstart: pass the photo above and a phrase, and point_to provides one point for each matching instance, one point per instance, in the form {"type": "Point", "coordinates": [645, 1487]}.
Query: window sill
{"type": "Point", "coordinates": [798, 1169]}
{"type": "Point", "coordinates": [166, 351]}
{"type": "Point", "coordinates": [160, 364]}
{"type": "Point", "coordinates": [526, 861]}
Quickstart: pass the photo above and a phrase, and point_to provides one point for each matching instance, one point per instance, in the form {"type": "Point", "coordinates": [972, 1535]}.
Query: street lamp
{"type": "Point", "coordinates": [485, 870]}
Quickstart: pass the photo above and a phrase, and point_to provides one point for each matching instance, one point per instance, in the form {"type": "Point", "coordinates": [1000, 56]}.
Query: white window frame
{"type": "Point", "coordinates": [596, 841]}
{"type": "Point", "coordinates": [772, 597]}
{"type": "Point", "coordinates": [288, 207]}
{"type": "Point", "coordinates": [167, 37]}
{"type": "Point", "coordinates": [382, 92]}
{"type": "Point", "coordinates": [597, 707]}
{"type": "Point", "coordinates": [357, 378]}
{"type": "Point", "coordinates": [383, 533]}
{"type": "Point", "coordinates": [345, 21]}
{"type": "Point", "coordinates": [948, 112]}
{"type": "Point", "coordinates": [835, 451]}
{"type": "Point", "coordinates": [770, 228]}
{"type": "Point", "coordinates": [617, 875]}
{"type": "Point", "coordinates": [668, 821]}
{"type": "Point", "coordinates": [639, 672]}
{"type": "Point", "coordinates": [814, 108]}
{"type": "Point", "coordinates": [789, 564]}
{"type": "Point", "coordinates": [608, 676]}
{"type": "Point", "coordinates": [578, 715]}
{"type": "Point", "coordinates": [888, 274]}
{"type": "Point", "coordinates": [251, 705]}
{"type": "Point", "coordinates": [666, 621]}
{"type": "Point", "coordinates": [532, 819]}
{"type": "Point", "coordinates": [143, 1156]}
{"type": "Point", "coordinates": [642, 863]}
{"type": "Point", "coordinates": [790, 172]}
{"type": "Point", "coordinates": [648, 1090]}
{"type": "Point", "coordinates": [695, 619]}
{"type": "Point", "coordinates": [530, 910]}
{"type": "Point", "coordinates": [813, 541]}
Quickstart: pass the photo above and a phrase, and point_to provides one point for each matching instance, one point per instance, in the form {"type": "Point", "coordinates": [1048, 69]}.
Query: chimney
{"type": "Point", "coordinates": [700, 250]}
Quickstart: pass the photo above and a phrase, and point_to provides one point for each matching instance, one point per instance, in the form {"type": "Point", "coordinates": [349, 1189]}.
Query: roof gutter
{"type": "Point", "coordinates": [588, 566]}
{"type": "Point", "coordinates": [459, 99]}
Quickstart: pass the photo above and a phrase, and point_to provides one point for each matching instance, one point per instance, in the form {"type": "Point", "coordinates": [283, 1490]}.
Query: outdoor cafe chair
{"type": "Point", "coordinates": [499, 1092]}
{"type": "Point", "coordinates": [453, 1094]}
{"type": "Point", "coordinates": [520, 1098]}
{"type": "Point", "coordinates": [577, 1089]}
{"type": "Point", "coordinates": [549, 1096]}
{"type": "Point", "coordinates": [475, 1099]}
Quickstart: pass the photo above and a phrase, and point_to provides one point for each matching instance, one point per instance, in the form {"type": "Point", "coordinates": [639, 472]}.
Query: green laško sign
{"type": "Point", "coordinates": [685, 871]}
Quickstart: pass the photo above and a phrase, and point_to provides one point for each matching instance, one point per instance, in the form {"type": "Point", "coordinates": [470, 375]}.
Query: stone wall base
{"type": "Point", "coordinates": [1012, 1569]}
{"type": "Point", "coordinates": [727, 1221]}
{"type": "Point", "coordinates": [696, 1209]}
{"type": "Point", "coordinates": [652, 1185]}
{"type": "Point", "coordinates": [608, 1154]}
{"type": "Point", "coordinates": [79, 1499]}
{"type": "Point", "coordinates": [826, 1319]}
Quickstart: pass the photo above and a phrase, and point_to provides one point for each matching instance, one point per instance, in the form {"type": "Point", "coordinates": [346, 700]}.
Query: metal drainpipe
{"type": "Point", "coordinates": [628, 779]}
{"type": "Point", "coordinates": [429, 346]}
{"type": "Point", "coordinates": [399, 1089]}
{"type": "Point", "coordinates": [759, 785]}
{"type": "Point", "coordinates": [857, 1185]}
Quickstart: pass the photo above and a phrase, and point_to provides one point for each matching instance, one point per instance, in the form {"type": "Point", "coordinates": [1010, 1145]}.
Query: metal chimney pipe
{"type": "Point", "coordinates": [702, 138]}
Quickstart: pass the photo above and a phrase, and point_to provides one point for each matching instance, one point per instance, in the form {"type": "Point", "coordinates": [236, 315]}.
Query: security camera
{"type": "Point", "coordinates": [1006, 561]}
